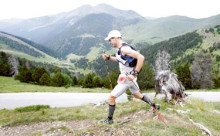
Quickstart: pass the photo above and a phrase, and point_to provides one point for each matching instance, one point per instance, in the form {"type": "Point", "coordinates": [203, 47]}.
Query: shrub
{"type": "Point", "coordinates": [58, 80]}
{"type": "Point", "coordinates": [97, 81]}
{"type": "Point", "coordinates": [88, 81]}
{"type": "Point", "coordinates": [45, 80]}
{"type": "Point", "coordinates": [37, 73]}
{"type": "Point", "coordinates": [32, 108]}
{"type": "Point", "coordinates": [68, 80]}
{"type": "Point", "coordinates": [24, 74]}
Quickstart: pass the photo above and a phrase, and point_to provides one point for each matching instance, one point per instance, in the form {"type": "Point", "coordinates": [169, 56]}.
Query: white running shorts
{"type": "Point", "coordinates": [123, 85]}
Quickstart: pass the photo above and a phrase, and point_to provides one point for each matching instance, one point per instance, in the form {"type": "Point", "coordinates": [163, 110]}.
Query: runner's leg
{"type": "Point", "coordinates": [116, 92]}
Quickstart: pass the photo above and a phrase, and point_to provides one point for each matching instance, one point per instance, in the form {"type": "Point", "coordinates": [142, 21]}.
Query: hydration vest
{"type": "Point", "coordinates": [126, 60]}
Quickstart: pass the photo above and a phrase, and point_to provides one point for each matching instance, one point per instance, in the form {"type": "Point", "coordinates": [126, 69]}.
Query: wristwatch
{"type": "Point", "coordinates": [108, 57]}
{"type": "Point", "coordinates": [134, 72]}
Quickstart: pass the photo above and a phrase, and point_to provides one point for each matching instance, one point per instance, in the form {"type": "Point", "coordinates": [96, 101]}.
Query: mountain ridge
{"type": "Point", "coordinates": [86, 27]}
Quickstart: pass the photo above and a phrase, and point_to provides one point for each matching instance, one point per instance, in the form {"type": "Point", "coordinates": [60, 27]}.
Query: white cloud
{"type": "Point", "coordinates": [153, 8]}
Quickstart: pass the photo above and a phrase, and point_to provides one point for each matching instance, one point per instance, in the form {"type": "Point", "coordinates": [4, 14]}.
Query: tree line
{"type": "Point", "coordinates": [197, 75]}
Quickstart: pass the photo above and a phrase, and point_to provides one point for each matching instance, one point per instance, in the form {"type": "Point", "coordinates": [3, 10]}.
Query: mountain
{"type": "Point", "coordinates": [43, 29]}
{"type": "Point", "coordinates": [32, 51]}
{"type": "Point", "coordinates": [12, 40]}
{"type": "Point", "coordinates": [153, 31]}
{"type": "Point", "coordinates": [76, 31]}
{"type": "Point", "coordinates": [80, 32]}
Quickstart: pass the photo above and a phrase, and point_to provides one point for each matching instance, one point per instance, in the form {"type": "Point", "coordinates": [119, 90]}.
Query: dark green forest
{"type": "Point", "coordinates": [175, 47]}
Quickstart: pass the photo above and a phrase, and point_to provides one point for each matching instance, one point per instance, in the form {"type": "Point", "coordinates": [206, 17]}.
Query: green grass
{"type": "Point", "coordinates": [94, 53]}
{"type": "Point", "coordinates": [32, 108]}
{"type": "Point", "coordinates": [9, 85]}
{"type": "Point", "coordinates": [179, 124]}
{"type": "Point", "coordinates": [13, 117]}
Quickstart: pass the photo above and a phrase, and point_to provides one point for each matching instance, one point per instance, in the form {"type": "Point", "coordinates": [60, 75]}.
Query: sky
{"type": "Point", "coordinates": [148, 8]}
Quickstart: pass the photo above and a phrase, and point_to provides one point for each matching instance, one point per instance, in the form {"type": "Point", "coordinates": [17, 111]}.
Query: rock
{"type": "Point", "coordinates": [216, 111]}
{"type": "Point", "coordinates": [203, 128]}
{"type": "Point", "coordinates": [182, 111]}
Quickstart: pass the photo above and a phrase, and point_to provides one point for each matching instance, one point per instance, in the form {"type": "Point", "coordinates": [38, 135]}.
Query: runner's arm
{"type": "Point", "coordinates": [113, 58]}
{"type": "Point", "coordinates": [106, 56]}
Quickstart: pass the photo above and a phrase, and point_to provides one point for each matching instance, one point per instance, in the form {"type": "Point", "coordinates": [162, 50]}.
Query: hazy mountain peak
{"type": "Point", "coordinates": [177, 17]}
{"type": "Point", "coordinates": [82, 10]}
{"type": "Point", "coordinates": [103, 5]}
{"type": "Point", "coordinates": [102, 8]}
{"type": "Point", "coordinates": [105, 8]}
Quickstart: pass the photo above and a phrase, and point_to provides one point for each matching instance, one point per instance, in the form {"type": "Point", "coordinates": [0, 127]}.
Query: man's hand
{"type": "Point", "coordinates": [105, 56]}
{"type": "Point", "coordinates": [130, 77]}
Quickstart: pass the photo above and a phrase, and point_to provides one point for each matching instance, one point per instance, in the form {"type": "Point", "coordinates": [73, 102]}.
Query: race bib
{"type": "Point", "coordinates": [121, 80]}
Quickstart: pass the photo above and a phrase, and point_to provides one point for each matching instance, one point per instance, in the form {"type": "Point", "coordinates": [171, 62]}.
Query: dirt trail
{"type": "Point", "coordinates": [82, 127]}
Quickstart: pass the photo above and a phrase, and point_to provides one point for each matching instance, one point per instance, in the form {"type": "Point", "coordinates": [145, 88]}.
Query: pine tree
{"type": "Point", "coordinates": [88, 81]}
{"type": "Point", "coordinates": [5, 69]}
{"type": "Point", "coordinates": [184, 75]}
{"type": "Point", "coordinates": [24, 74]}
{"type": "Point", "coordinates": [68, 80]}
{"type": "Point", "coordinates": [217, 80]}
{"type": "Point", "coordinates": [45, 80]}
{"type": "Point", "coordinates": [74, 79]}
{"type": "Point", "coordinates": [97, 81]}
{"type": "Point", "coordinates": [113, 77]}
{"type": "Point", "coordinates": [146, 77]}
{"type": "Point", "coordinates": [37, 73]}
{"type": "Point", "coordinates": [58, 80]}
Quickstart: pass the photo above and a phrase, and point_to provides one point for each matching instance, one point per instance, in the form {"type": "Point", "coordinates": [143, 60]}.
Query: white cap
{"type": "Point", "coordinates": [113, 33]}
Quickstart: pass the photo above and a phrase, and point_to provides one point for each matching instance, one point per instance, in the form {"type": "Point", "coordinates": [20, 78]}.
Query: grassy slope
{"type": "Point", "coordinates": [159, 29]}
{"type": "Point", "coordinates": [9, 85]}
{"type": "Point", "coordinates": [142, 122]}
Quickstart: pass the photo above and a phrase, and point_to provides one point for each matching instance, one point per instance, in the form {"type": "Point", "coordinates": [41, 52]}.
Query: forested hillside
{"type": "Point", "coordinates": [183, 48]}
{"type": "Point", "coordinates": [23, 48]}
{"type": "Point", "coordinates": [23, 45]}
{"type": "Point", "coordinates": [34, 44]}
{"type": "Point", "coordinates": [175, 46]}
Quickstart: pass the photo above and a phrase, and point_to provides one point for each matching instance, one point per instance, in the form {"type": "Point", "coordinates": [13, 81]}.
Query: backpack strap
{"type": "Point", "coordinates": [131, 61]}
